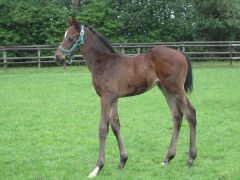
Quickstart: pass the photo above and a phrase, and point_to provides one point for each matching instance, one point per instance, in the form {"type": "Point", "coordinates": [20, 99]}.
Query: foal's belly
{"type": "Point", "coordinates": [136, 87]}
{"type": "Point", "coordinates": [136, 80]}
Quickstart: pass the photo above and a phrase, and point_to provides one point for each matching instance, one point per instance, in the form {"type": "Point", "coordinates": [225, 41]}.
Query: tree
{"type": "Point", "coordinates": [217, 20]}
{"type": "Point", "coordinates": [103, 16]}
{"type": "Point", "coordinates": [31, 22]}
{"type": "Point", "coordinates": [25, 22]}
{"type": "Point", "coordinates": [157, 20]}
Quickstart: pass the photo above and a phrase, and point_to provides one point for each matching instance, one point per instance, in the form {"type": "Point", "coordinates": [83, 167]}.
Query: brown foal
{"type": "Point", "coordinates": [116, 75]}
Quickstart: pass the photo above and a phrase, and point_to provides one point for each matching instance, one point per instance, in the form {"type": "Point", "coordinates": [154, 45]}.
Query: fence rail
{"type": "Point", "coordinates": [198, 50]}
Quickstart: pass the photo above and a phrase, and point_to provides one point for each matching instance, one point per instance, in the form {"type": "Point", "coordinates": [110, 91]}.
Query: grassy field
{"type": "Point", "coordinates": [49, 127]}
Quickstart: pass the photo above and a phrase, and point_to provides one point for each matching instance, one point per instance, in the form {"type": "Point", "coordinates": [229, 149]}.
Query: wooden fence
{"type": "Point", "coordinates": [198, 51]}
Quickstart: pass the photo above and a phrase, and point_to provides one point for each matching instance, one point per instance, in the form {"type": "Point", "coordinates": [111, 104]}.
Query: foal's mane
{"type": "Point", "coordinates": [74, 22]}
{"type": "Point", "coordinates": [101, 38]}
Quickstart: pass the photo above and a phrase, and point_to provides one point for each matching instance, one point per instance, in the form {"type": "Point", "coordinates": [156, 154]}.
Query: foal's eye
{"type": "Point", "coordinates": [69, 39]}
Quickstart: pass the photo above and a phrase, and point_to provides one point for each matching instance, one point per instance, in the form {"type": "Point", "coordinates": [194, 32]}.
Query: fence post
{"type": "Point", "coordinates": [123, 51]}
{"type": "Point", "coordinates": [39, 58]}
{"type": "Point", "coordinates": [64, 65]}
{"type": "Point", "coordinates": [178, 46]}
{"type": "Point", "coordinates": [5, 59]}
{"type": "Point", "coordinates": [138, 50]}
{"type": "Point", "coordinates": [183, 48]}
{"type": "Point", "coordinates": [231, 55]}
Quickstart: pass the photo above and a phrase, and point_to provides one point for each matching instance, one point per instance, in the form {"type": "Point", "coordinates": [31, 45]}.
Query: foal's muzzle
{"type": "Point", "coordinates": [59, 59]}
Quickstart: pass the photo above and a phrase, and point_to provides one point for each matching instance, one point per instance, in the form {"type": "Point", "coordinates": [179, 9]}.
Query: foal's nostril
{"type": "Point", "coordinates": [56, 58]}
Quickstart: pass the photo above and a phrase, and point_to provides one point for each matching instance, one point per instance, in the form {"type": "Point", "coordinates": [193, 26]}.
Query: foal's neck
{"type": "Point", "coordinates": [94, 50]}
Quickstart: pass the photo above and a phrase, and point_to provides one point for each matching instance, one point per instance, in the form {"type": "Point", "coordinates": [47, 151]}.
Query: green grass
{"type": "Point", "coordinates": [49, 127]}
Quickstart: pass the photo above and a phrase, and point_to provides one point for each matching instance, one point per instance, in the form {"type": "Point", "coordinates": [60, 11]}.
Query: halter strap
{"type": "Point", "coordinates": [77, 44]}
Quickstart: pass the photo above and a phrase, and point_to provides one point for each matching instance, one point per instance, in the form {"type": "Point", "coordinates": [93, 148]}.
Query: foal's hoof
{"type": "Point", "coordinates": [189, 164]}
{"type": "Point", "coordinates": [164, 163]}
{"type": "Point", "coordinates": [122, 163]}
{"type": "Point", "coordinates": [120, 166]}
{"type": "Point", "coordinates": [94, 173]}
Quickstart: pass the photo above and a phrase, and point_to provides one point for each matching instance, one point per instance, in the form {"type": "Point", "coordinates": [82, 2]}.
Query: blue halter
{"type": "Point", "coordinates": [77, 44]}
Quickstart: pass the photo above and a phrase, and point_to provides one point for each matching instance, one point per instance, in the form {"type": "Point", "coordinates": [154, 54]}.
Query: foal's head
{"type": "Point", "coordinates": [71, 42]}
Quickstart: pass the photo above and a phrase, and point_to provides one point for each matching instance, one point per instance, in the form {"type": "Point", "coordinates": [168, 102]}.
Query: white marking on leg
{"type": "Point", "coordinates": [94, 172]}
{"type": "Point", "coordinates": [164, 164]}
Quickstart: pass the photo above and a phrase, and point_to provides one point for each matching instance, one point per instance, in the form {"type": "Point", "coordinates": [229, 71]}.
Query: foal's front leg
{"type": "Point", "coordinates": [115, 124]}
{"type": "Point", "coordinates": [106, 106]}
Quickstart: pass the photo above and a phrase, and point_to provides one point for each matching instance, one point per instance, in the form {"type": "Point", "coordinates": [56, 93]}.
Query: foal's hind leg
{"type": "Point", "coordinates": [177, 117]}
{"type": "Point", "coordinates": [115, 124]}
{"type": "Point", "coordinates": [190, 113]}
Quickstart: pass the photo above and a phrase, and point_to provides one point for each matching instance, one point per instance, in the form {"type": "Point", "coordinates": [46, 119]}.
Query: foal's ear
{"type": "Point", "coordinates": [73, 22]}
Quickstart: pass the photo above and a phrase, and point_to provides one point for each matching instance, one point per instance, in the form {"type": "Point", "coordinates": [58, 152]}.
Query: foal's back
{"type": "Point", "coordinates": [132, 75]}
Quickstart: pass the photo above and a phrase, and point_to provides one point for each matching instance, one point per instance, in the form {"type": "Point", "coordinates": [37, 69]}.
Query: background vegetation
{"type": "Point", "coordinates": [25, 22]}
{"type": "Point", "coordinates": [49, 127]}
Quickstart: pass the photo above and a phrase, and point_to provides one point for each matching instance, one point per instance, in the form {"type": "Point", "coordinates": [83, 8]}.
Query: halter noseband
{"type": "Point", "coordinates": [77, 44]}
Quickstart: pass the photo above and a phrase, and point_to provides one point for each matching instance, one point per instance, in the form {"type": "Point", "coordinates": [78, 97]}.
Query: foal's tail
{"type": "Point", "coordinates": [188, 85]}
